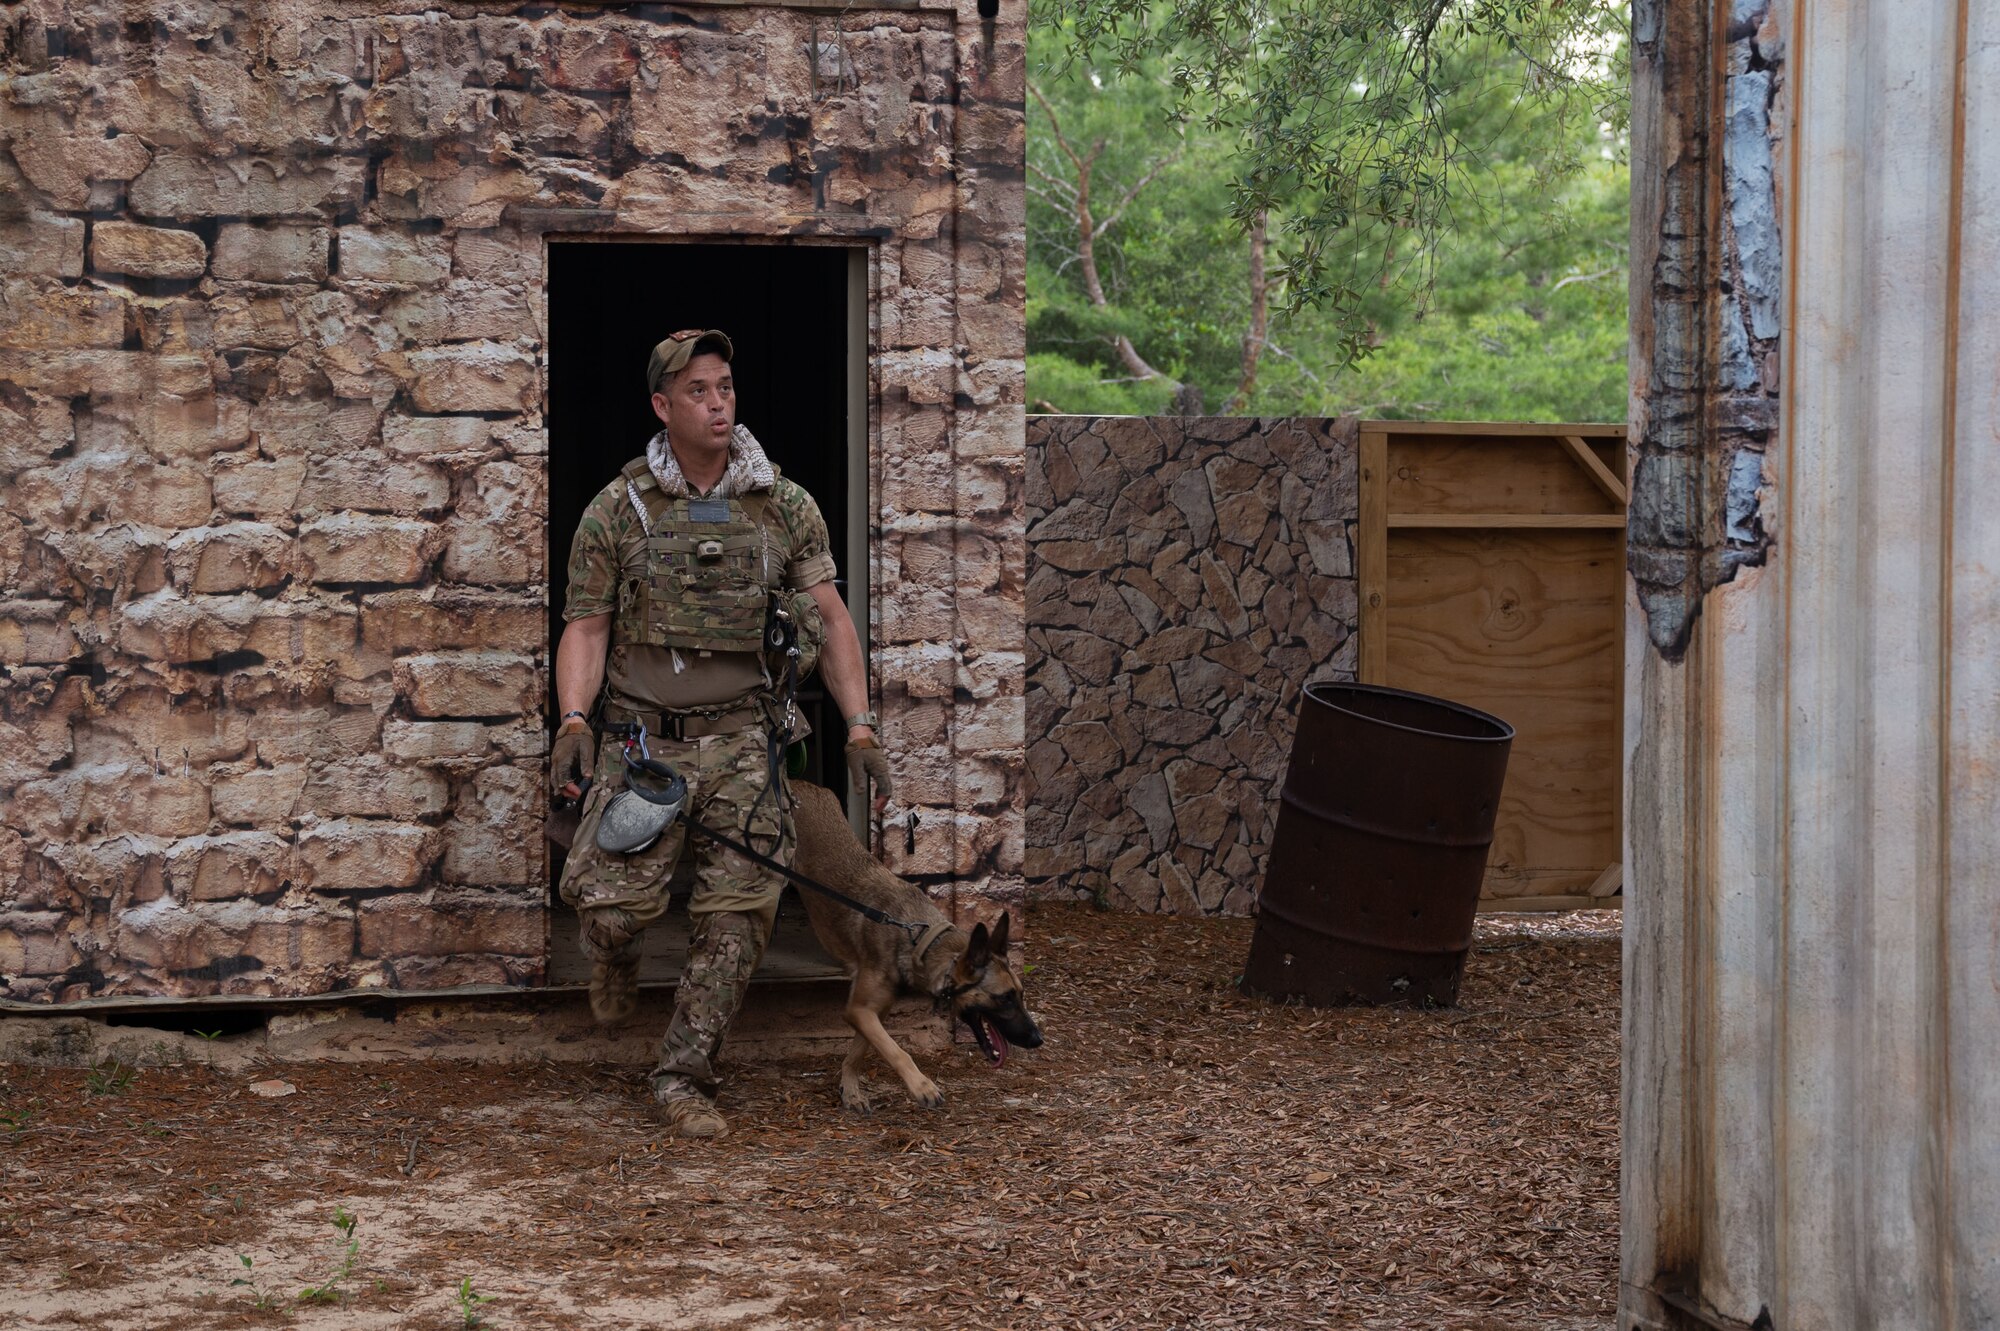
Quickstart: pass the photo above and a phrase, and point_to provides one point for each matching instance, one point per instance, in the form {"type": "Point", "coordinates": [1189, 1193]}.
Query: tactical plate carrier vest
{"type": "Point", "coordinates": [710, 569]}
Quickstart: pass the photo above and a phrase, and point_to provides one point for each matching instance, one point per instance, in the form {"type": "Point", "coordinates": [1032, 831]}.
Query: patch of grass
{"type": "Point", "coordinates": [109, 1078]}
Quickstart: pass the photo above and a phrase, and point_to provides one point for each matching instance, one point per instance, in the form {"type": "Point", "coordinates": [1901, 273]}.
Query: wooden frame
{"type": "Point", "coordinates": [1490, 561]}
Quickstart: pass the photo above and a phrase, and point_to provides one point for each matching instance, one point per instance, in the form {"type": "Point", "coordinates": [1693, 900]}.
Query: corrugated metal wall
{"type": "Point", "coordinates": [1812, 1097]}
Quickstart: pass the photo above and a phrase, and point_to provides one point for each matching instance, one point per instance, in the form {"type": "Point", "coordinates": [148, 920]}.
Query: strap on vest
{"type": "Point", "coordinates": [639, 476]}
{"type": "Point", "coordinates": [639, 479]}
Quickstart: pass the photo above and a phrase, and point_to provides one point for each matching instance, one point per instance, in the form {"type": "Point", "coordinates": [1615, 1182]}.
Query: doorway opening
{"type": "Point", "coordinates": [801, 388]}
{"type": "Point", "coordinates": [797, 316]}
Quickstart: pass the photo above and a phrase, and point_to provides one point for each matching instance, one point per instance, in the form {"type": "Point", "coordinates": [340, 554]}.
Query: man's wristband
{"type": "Point", "coordinates": [863, 719]}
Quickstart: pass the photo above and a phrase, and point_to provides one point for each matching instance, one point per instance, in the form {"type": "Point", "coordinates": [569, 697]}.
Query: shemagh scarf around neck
{"type": "Point", "coordinates": [748, 468]}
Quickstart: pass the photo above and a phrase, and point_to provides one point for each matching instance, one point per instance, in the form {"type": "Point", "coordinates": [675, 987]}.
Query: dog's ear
{"type": "Point", "coordinates": [1000, 936]}
{"type": "Point", "coordinates": [978, 948]}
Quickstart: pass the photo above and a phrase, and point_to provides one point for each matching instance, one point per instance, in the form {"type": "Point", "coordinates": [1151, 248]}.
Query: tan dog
{"type": "Point", "coordinates": [967, 974]}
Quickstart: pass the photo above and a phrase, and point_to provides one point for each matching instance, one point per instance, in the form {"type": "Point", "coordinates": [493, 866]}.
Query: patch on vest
{"type": "Point", "coordinates": [708, 510]}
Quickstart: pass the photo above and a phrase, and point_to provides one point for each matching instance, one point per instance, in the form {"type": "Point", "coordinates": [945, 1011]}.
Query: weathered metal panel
{"type": "Point", "coordinates": [1968, 1080]}
{"type": "Point", "coordinates": [1813, 1003]}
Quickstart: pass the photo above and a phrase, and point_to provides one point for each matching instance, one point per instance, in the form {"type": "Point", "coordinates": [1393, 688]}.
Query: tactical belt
{"type": "Point", "coordinates": [682, 725]}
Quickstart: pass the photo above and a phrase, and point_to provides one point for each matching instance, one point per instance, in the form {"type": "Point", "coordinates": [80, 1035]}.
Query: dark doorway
{"type": "Point", "coordinates": [787, 310]}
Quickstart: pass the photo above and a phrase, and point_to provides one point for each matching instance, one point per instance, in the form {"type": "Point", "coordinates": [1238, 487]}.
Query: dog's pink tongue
{"type": "Point", "coordinates": [999, 1045]}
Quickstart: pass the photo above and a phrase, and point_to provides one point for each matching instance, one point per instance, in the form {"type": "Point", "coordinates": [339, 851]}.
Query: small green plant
{"type": "Point", "coordinates": [468, 1305]}
{"type": "Point", "coordinates": [109, 1078]}
{"type": "Point", "coordinates": [264, 1299]}
{"type": "Point", "coordinates": [347, 1251]}
{"type": "Point", "coordinates": [209, 1035]}
{"type": "Point", "coordinates": [14, 1120]}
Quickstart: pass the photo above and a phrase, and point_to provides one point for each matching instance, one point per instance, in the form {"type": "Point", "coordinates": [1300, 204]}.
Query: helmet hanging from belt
{"type": "Point", "coordinates": [653, 798]}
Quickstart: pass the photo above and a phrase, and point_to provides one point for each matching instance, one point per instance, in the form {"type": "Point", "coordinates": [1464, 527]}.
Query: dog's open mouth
{"type": "Point", "coordinates": [991, 1042]}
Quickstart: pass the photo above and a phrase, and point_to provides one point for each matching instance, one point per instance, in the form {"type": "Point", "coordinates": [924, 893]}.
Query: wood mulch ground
{"type": "Point", "coordinates": [1176, 1156]}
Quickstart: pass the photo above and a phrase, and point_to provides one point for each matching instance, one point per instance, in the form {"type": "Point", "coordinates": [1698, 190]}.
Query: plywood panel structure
{"type": "Point", "coordinates": [1492, 573]}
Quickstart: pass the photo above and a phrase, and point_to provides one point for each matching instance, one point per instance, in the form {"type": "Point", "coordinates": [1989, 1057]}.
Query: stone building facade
{"type": "Point", "coordinates": [273, 595]}
{"type": "Point", "coordinates": [1187, 577]}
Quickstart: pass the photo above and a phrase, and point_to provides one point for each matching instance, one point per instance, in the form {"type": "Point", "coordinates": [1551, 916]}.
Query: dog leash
{"type": "Point", "coordinates": [916, 931]}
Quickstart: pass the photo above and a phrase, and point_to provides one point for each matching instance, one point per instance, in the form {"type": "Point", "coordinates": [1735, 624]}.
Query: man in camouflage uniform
{"type": "Point", "coordinates": [670, 576]}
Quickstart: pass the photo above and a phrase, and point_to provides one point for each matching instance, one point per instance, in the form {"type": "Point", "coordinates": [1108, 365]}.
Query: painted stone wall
{"type": "Point", "coordinates": [272, 588]}
{"type": "Point", "coordinates": [1186, 578]}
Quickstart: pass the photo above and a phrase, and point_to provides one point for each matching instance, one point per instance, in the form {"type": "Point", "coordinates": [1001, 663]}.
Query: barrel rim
{"type": "Point", "coordinates": [1316, 692]}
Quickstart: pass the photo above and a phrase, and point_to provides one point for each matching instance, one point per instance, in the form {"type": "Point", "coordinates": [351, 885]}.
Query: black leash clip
{"type": "Point", "coordinates": [564, 803]}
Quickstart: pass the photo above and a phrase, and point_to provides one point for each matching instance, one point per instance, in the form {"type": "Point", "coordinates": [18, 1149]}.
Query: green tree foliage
{"type": "Point", "coordinates": [1529, 316]}
{"type": "Point", "coordinates": [1488, 284]}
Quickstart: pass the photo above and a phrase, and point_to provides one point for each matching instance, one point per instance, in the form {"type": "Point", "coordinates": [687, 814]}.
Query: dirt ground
{"type": "Point", "coordinates": [1175, 1156]}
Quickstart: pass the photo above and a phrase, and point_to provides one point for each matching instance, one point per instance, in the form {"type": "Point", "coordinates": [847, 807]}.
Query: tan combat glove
{"type": "Point", "coordinates": [866, 762]}
{"type": "Point", "coordinates": [573, 758]}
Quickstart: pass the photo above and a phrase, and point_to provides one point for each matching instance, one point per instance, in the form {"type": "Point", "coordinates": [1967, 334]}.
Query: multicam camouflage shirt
{"type": "Point", "coordinates": [610, 548]}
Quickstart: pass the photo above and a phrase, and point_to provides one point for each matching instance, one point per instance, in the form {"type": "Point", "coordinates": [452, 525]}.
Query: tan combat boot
{"type": "Point", "coordinates": [690, 1116]}
{"type": "Point", "coordinates": [614, 987]}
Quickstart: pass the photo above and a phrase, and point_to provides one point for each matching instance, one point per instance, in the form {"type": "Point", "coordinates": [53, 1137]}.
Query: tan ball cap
{"type": "Point", "coordinates": [672, 355]}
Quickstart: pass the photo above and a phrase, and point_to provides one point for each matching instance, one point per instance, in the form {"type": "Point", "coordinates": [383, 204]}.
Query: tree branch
{"type": "Point", "coordinates": [1048, 196]}
{"type": "Point", "coordinates": [1055, 126]}
{"type": "Point", "coordinates": [1137, 363]}
{"type": "Point", "coordinates": [1584, 277]}
{"type": "Point", "coordinates": [1087, 232]}
{"type": "Point", "coordinates": [1260, 316]}
{"type": "Point", "coordinates": [1055, 181]}
{"type": "Point", "coordinates": [1277, 350]}
{"type": "Point", "coordinates": [1125, 200]}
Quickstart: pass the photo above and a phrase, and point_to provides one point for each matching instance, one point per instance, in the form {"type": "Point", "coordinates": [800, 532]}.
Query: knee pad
{"type": "Point", "coordinates": [606, 931]}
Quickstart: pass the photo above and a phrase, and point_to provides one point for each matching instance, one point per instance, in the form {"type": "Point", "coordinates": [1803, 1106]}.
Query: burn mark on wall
{"type": "Point", "coordinates": [1705, 346]}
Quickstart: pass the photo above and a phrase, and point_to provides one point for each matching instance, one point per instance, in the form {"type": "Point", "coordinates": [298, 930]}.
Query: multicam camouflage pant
{"type": "Point", "coordinates": [734, 904]}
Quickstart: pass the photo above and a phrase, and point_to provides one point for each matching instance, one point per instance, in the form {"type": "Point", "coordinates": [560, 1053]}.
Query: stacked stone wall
{"type": "Point", "coordinates": [1187, 578]}
{"type": "Point", "coordinates": [272, 554]}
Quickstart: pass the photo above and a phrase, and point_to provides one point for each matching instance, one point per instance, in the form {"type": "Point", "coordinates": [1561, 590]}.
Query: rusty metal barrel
{"type": "Point", "coordinates": [1380, 849]}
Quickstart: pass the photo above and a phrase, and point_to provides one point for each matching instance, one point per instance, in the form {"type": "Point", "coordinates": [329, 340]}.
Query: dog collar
{"type": "Point", "coordinates": [927, 937]}
{"type": "Point", "coordinates": [924, 941]}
